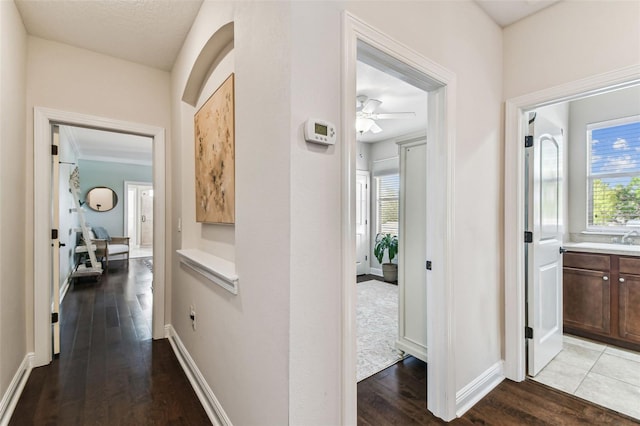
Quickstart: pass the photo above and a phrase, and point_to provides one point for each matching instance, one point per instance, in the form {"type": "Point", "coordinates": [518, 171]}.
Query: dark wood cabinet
{"type": "Point", "coordinates": [629, 299]}
{"type": "Point", "coordinates": [601, 297]}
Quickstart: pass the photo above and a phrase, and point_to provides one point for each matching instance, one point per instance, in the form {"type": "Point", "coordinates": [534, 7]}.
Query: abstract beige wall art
{"type": "Point", "coordinates": [215, 156]}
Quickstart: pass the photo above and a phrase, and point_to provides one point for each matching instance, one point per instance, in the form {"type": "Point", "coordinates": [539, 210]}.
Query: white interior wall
{"type": "Point", "coordinates": [77, 80]}
{"type": "Point", "coordinates": [568, 41]}
{"type": "Point", "coordinates": [241, 344]}
{"type": "Point", "coordinates": [13, 226]}
{"type": "Point", "coordinates": [363, 152]}
{"type": "Point", "coordinates": [594, 109]}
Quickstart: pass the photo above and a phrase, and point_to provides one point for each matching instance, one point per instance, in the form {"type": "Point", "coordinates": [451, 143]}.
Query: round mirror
{"type": "Point", "coordinates": [101, 199]}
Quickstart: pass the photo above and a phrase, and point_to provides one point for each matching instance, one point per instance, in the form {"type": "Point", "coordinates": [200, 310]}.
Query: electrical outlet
{"type": "Point", "coordinates": [192, 315]}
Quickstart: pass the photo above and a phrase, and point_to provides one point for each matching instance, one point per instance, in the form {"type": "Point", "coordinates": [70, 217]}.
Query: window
{"type": "Point", "coordinates": [613, 176]}
{"type": "Point", "coordinates": [388, 191]}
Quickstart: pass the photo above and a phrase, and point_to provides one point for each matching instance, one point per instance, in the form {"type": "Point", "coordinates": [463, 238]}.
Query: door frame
{"type": "Point", "coordinates": [127, 184]}
{"type": "Point", "coordinates": [43, 119]}
{"type": "Point", "coordinates": [514, 208]}
{"type": "Point", "coordinates": [367, 242]}
{"type": "Point", "coordinates": [441, 386]}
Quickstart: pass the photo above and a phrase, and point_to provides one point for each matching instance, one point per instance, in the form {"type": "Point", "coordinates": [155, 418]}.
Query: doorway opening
{"type": "Point", "coordinates": [586, 299]}
{"type": "Point", "coordinates": [44, 120]}
{"type": "Point", "coordinates": [138, 217]}
{"type": "Point", "coordinates": [365, 44]}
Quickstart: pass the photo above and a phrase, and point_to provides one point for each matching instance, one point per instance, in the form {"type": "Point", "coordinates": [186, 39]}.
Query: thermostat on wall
{"type": "Point", "coordinates": [319, 131]}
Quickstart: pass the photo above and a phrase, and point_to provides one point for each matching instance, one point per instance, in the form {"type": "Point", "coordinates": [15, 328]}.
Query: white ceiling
{"type": "Point", "coordinates": [396, 96]}
{"type": "Point", "coordinates": [101, 145]}
{"type": "Point", "coordinates": [148, 32]}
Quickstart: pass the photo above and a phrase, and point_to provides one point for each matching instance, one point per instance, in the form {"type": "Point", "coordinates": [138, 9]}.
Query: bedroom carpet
{"type": "Point", "coordinates": [377, 327]}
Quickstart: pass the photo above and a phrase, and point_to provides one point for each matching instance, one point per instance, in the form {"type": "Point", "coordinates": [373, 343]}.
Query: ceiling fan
{"type": "Point", "coordinates": [366, 116]}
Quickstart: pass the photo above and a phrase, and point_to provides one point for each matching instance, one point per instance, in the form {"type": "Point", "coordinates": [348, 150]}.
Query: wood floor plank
{"type": "Point", "coordinates": [397, 396]}
{"type": "Point", "coordinates": [110, 372]}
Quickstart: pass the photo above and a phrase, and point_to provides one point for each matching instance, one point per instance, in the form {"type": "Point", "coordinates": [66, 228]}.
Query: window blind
{"type": "Point", "coordinates": [388, 193]}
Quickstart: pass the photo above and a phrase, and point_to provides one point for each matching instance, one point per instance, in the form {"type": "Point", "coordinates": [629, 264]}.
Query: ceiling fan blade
{"type": "Point", "coordinates": [393, 115]}
{"type": "Point", "coordinates": [375, 128]}
{"type": "Point", "coordinates": [370, 106]}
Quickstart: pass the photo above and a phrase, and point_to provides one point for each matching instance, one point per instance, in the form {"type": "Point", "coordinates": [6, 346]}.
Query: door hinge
{"type": "Point", "coordinates": [528, 141]}
{"type": "Point", "coordinates": [428, 265]}
{"type": "Point", "coordinates": [528, 333]}
{"type": "Point", "coordinates": [366, 258]}
{"type": "Point", "coordinates": [54, 317]}
{"type": "Point", "coordinates": [54, 149]}
{"type": "Point", "coordinates": [528, 236]}
{"type": "Point", "coordinates": [54, 234]}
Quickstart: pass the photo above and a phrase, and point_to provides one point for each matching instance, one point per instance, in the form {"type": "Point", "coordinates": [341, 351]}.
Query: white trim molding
{"type": "Point", "coordinates": [363, 42]}
{"type": "Point", "coordinates": [12, 395]}
{"type": "Point", "coordinates": [42, 121]}
{"type": "Point", "coordinates": [206, 396]}
{"type": "Point", "coordinates": [215, 269]}
{"type": "Point", "coordinates": [514, 205]}
{"type": "Point", "coordinates": [375, 271]}
{"type": "Point", "coordinates": [469, 395]}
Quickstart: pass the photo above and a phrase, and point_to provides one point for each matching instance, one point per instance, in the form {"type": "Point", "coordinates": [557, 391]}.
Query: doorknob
{"type": "Point", "coordinates": [61, 244]}
{"type": "Point", "coordinates": [563, 250]}
{"type": "Point", "coordinates": [621, 280]}
{"type": "Point", "coordinates": [606, 278]}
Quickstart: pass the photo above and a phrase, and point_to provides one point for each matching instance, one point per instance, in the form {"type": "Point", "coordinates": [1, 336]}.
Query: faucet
{"type": "Point", "coordinates": [625, 237]}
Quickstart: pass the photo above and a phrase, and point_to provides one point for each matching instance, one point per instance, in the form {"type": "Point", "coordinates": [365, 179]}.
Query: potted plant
{"type": "Point", "coordinates": [389, 243]}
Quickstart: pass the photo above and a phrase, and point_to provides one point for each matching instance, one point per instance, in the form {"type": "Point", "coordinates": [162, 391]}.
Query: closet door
{"type": "Point", "coordinates": [412, 277]}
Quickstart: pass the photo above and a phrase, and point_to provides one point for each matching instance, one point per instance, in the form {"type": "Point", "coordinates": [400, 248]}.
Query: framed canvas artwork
{"type": "Point", "coordinates": [214, 127]}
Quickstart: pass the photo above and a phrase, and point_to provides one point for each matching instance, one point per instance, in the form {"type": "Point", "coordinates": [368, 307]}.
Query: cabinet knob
{"type": "Point", "coordinates": [621, 280]}
{"type": "Point", "coordinates": [606, 278]}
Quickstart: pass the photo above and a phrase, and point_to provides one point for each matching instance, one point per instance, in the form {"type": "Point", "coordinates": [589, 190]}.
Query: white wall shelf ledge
{"type": "Point", "coordinates": [217, 270]}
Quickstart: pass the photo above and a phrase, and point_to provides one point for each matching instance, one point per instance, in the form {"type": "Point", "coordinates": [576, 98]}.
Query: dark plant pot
{"type": "Point", "coordinates": [390, 272]}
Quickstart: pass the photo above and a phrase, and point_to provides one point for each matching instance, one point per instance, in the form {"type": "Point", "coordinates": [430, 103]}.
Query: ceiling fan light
{"type": "Point", "coordinates": [364, 124]}
{"type": "Point", "coordinates": [375, 128]}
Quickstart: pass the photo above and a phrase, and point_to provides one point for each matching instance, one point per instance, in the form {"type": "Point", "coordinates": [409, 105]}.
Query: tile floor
{"type": "Point", "coordinates": [135, 252]}
{"type": "Point", "coordinates": [603, 374]}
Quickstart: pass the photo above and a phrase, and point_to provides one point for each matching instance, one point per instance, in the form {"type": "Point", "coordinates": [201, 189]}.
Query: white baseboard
{"type": "Point", "coordinates": [12, 395]}
{"type": "Point", "coordinates": [375, 271]}
{"type": "Point", "coordinates": [413, 349]}
{"type": "Point", "coordinates": [468, 396]}
{"type": "Point", "coordinates": [209, 401]}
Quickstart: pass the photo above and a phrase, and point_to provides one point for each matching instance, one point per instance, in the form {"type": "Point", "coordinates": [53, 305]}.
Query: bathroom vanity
{"type": "Point", "coordinates": [601, 293]}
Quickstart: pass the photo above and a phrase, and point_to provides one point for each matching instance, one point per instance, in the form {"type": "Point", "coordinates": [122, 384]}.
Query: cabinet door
{"type": "Point", "coordinates": [587, 300]}
{"type": "Point", "coordinates": [629, 317]}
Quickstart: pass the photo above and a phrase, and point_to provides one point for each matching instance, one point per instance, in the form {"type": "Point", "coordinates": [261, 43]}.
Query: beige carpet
{"type": "Point", "coordinates": [377, 327]}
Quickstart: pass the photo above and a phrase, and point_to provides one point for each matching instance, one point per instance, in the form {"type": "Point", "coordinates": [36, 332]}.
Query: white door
{"type": "Point", "coordinates": [55, 247]}
{"type": "Point", "coordinates": [146, 217]}
{"type": "Point", "coordinates": [412, 253]}
{"type": "Point", "coordinates": [362, 222]}
{"type": "Point", "coordinates": [544, 280]}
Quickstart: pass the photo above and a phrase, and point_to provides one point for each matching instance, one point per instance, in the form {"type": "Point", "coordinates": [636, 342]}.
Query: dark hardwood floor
{"type": "Point", "coordinates": [109, 371]}
{"type": "Point", "coordinates": [398, 395]}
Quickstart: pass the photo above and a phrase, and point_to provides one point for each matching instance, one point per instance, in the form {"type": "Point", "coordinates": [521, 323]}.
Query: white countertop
{"type": "Point", "coordinates": [604, 248]}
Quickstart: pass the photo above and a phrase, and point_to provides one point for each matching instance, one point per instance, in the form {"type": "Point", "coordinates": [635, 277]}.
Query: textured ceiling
{"type": "Point", "coordinates": [148, 32]}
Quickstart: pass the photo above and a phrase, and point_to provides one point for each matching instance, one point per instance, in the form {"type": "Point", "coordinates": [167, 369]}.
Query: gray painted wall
{"type": "Point", "coordinates": [112, 175]}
